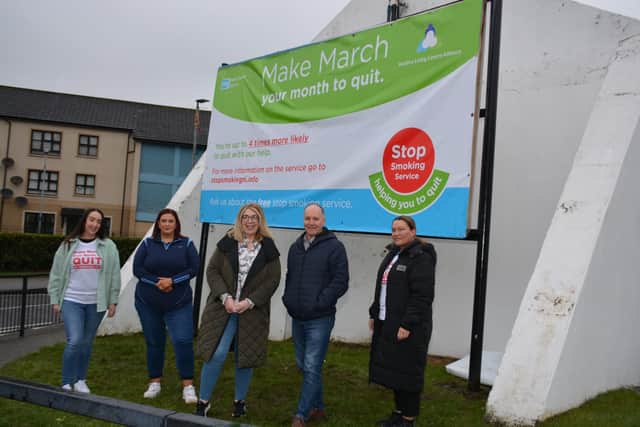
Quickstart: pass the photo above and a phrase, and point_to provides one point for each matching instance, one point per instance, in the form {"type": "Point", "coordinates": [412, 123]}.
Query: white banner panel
{"type": "Point", "coordinates": [371, 126]}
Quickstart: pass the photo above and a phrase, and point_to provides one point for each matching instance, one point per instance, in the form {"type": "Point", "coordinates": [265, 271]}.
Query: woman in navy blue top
{"type": "Point", "coordinates": [164, 264]}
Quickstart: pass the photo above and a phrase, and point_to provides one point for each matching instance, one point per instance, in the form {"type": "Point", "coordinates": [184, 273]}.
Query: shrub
{"type": "Point", "coordinates": [33, 253]}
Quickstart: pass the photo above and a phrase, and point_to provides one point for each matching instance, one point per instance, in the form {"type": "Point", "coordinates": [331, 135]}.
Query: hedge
{"type": "Point", "coordinates": [33, 253]}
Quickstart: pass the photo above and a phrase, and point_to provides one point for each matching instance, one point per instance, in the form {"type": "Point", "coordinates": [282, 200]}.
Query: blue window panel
{"type": "Point", "coordinates": [157, 159]}
{"type": "Point", "coordinates": [184, 162]}
{"type": "Point", "coordinates": [163, 168]}
{"type": "Point", "coordinates": [161, 179]}
{"type": "Point", "coordinates": [184, 166]}
{"type": "Point", "coordinates": [151, 198]}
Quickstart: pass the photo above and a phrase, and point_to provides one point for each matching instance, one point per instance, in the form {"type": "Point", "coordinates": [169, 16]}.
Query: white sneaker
{"type": "Point", "coordinates": [189, 394]}
{"type": "Point", "coordinates": [152, 391]}
{"type": "Point", "coordinates": [81, 387]}
{"type": "Point", "coordinates": [67, 387]}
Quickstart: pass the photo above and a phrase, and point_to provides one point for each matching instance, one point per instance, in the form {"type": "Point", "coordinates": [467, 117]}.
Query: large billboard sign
{"type": "Point", "coordinates": [370, 125]}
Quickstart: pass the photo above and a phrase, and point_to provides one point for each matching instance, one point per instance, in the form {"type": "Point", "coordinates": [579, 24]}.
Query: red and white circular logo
{"type": "Point", "coordinates": [408, 159]}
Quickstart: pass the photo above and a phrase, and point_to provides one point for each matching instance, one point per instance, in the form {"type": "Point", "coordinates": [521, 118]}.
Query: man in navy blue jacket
{"type": "Point", "coordinates": [317, 275]}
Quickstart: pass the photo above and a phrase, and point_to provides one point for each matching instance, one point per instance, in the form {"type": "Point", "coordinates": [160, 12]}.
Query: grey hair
{"type": "Point", "coordinates": [308, 205]}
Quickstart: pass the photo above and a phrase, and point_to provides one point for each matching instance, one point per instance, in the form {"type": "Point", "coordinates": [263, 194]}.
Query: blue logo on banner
{"type": "Point", "coordinates": [430, 39]}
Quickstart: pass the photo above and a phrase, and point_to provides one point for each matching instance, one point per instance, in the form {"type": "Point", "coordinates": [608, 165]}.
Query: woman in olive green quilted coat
{"type": "Point", "coordinates": [243, 274]}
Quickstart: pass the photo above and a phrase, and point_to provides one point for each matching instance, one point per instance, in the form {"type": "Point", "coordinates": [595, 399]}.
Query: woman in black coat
{"type": "Point", "coordinates": [400, 319]}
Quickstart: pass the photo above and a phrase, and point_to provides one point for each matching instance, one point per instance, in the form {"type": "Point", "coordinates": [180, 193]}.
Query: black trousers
{"type": "Point", "coordinates": [407, 402]}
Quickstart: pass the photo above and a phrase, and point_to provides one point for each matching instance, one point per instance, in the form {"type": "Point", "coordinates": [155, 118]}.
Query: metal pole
{"type": "Point", "coordinates": [204, 239]}
{"type": "Point", "coordinates": [393, 10]}
{"type": "Point", "coordinates": [204, 231]}
{"type": "Point", "coordinates": [42, 182]}
{"type": "Point", "coordinates": [196, 126]}
{"type": "Point", "coordinates": [5, 164]}
{"type": "Point", "coordinates": [196, 129]}
{"type": "Point", "coordinates": [486, 190]}
{"type": "Point", "coordinates": [23, 306]}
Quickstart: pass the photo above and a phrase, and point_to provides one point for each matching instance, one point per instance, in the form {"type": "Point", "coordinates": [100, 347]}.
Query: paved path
{"type": "Point", "coordinates": [13, 347]}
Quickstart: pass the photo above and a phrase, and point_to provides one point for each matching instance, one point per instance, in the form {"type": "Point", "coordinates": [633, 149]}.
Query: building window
{"type": "Point", "coordinates": [31, 220]}
{"type": "Point", "coordinates": [45, 181]}
{"type": "Point", "coordinates": [88, 146]}
{"type": "Point", "coordinates": [70, 218]}
{"type": "Point", "coordinates": [162, 170]}
{"type": "Point", "coordinates": [85, 184]}
{"type": "Point", "coordinates": [106, 224]}
{"type": "Point", "coordinates": [45, 142]}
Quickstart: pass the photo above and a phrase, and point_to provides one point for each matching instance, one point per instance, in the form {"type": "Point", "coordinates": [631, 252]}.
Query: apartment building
{"type": "Point", "coordinates": [62, 153]}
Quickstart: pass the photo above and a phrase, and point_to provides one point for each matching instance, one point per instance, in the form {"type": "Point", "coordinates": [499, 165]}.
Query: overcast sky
{"type": "Point", "coordinates": [157, 51]}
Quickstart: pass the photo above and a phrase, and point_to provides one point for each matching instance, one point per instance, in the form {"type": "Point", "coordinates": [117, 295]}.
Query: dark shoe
{"type": "Point", "coordinates": [317, 415]}
{"type": "Point", "coordinates": [297, 422]}
{"type": "Point", "coordinates": [202, 408]}
{"type": "Point", "coordinates": [394, 419]}
{"type": "Point", "coordinates": [405, 423]}
{"type": "Point", "coordinates": [239, 408]}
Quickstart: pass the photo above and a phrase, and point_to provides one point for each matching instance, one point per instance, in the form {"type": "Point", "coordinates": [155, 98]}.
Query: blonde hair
{"type": "Point", "coordinates": [263, 228]}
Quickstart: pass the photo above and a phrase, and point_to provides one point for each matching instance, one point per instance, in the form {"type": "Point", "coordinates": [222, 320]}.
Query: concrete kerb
{"type": "Point", "coordinates": [101, 407]}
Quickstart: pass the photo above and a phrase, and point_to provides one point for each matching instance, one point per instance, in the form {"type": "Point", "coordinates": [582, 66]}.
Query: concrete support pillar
{"type": "Point", "coordinates": [572, 337]}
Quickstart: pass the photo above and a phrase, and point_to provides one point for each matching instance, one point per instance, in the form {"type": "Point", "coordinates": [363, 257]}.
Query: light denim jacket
{"type": "Point", "coordinates": [108, 278]}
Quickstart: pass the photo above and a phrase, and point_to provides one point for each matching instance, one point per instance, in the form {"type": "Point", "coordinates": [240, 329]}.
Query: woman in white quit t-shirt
{"type": "Point", "coordinates": [84, 283]}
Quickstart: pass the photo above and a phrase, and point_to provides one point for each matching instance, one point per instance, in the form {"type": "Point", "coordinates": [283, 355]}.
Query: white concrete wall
{"type": "Point", "coordinates": [550, 76]}
{"type": "Point", "coordinates": [574, 336]}
{"type": "Point", "coordinates": [602, 346]}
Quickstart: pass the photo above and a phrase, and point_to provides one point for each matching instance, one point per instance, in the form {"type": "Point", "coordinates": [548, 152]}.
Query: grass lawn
{"type": "Point", "coordinates": [118, 370]}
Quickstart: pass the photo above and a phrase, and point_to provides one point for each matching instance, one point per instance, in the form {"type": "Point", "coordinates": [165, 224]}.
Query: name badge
{"type": "Point", "coordinates": [401, 268]}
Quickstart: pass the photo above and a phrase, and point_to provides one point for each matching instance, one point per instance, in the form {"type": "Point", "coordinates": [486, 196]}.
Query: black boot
{"type": "Point", "coordinates": [403, 422]}
{"type": "Point", "coordinates": [239, 408]}
{"type": "Point", "coordinates": [394, 418]}
{"type": "Point", "coordinates": [202, 408]}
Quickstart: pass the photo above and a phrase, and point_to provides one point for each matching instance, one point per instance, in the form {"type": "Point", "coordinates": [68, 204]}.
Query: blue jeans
{"type": "Point", "coordinates": [81, 323]}
{"type": "Point", "coordinates": [311, 339]}
{"type": "Point", "coordinates": [155, 323]}
{"type": "Point", "coordinates": [211, 368]}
